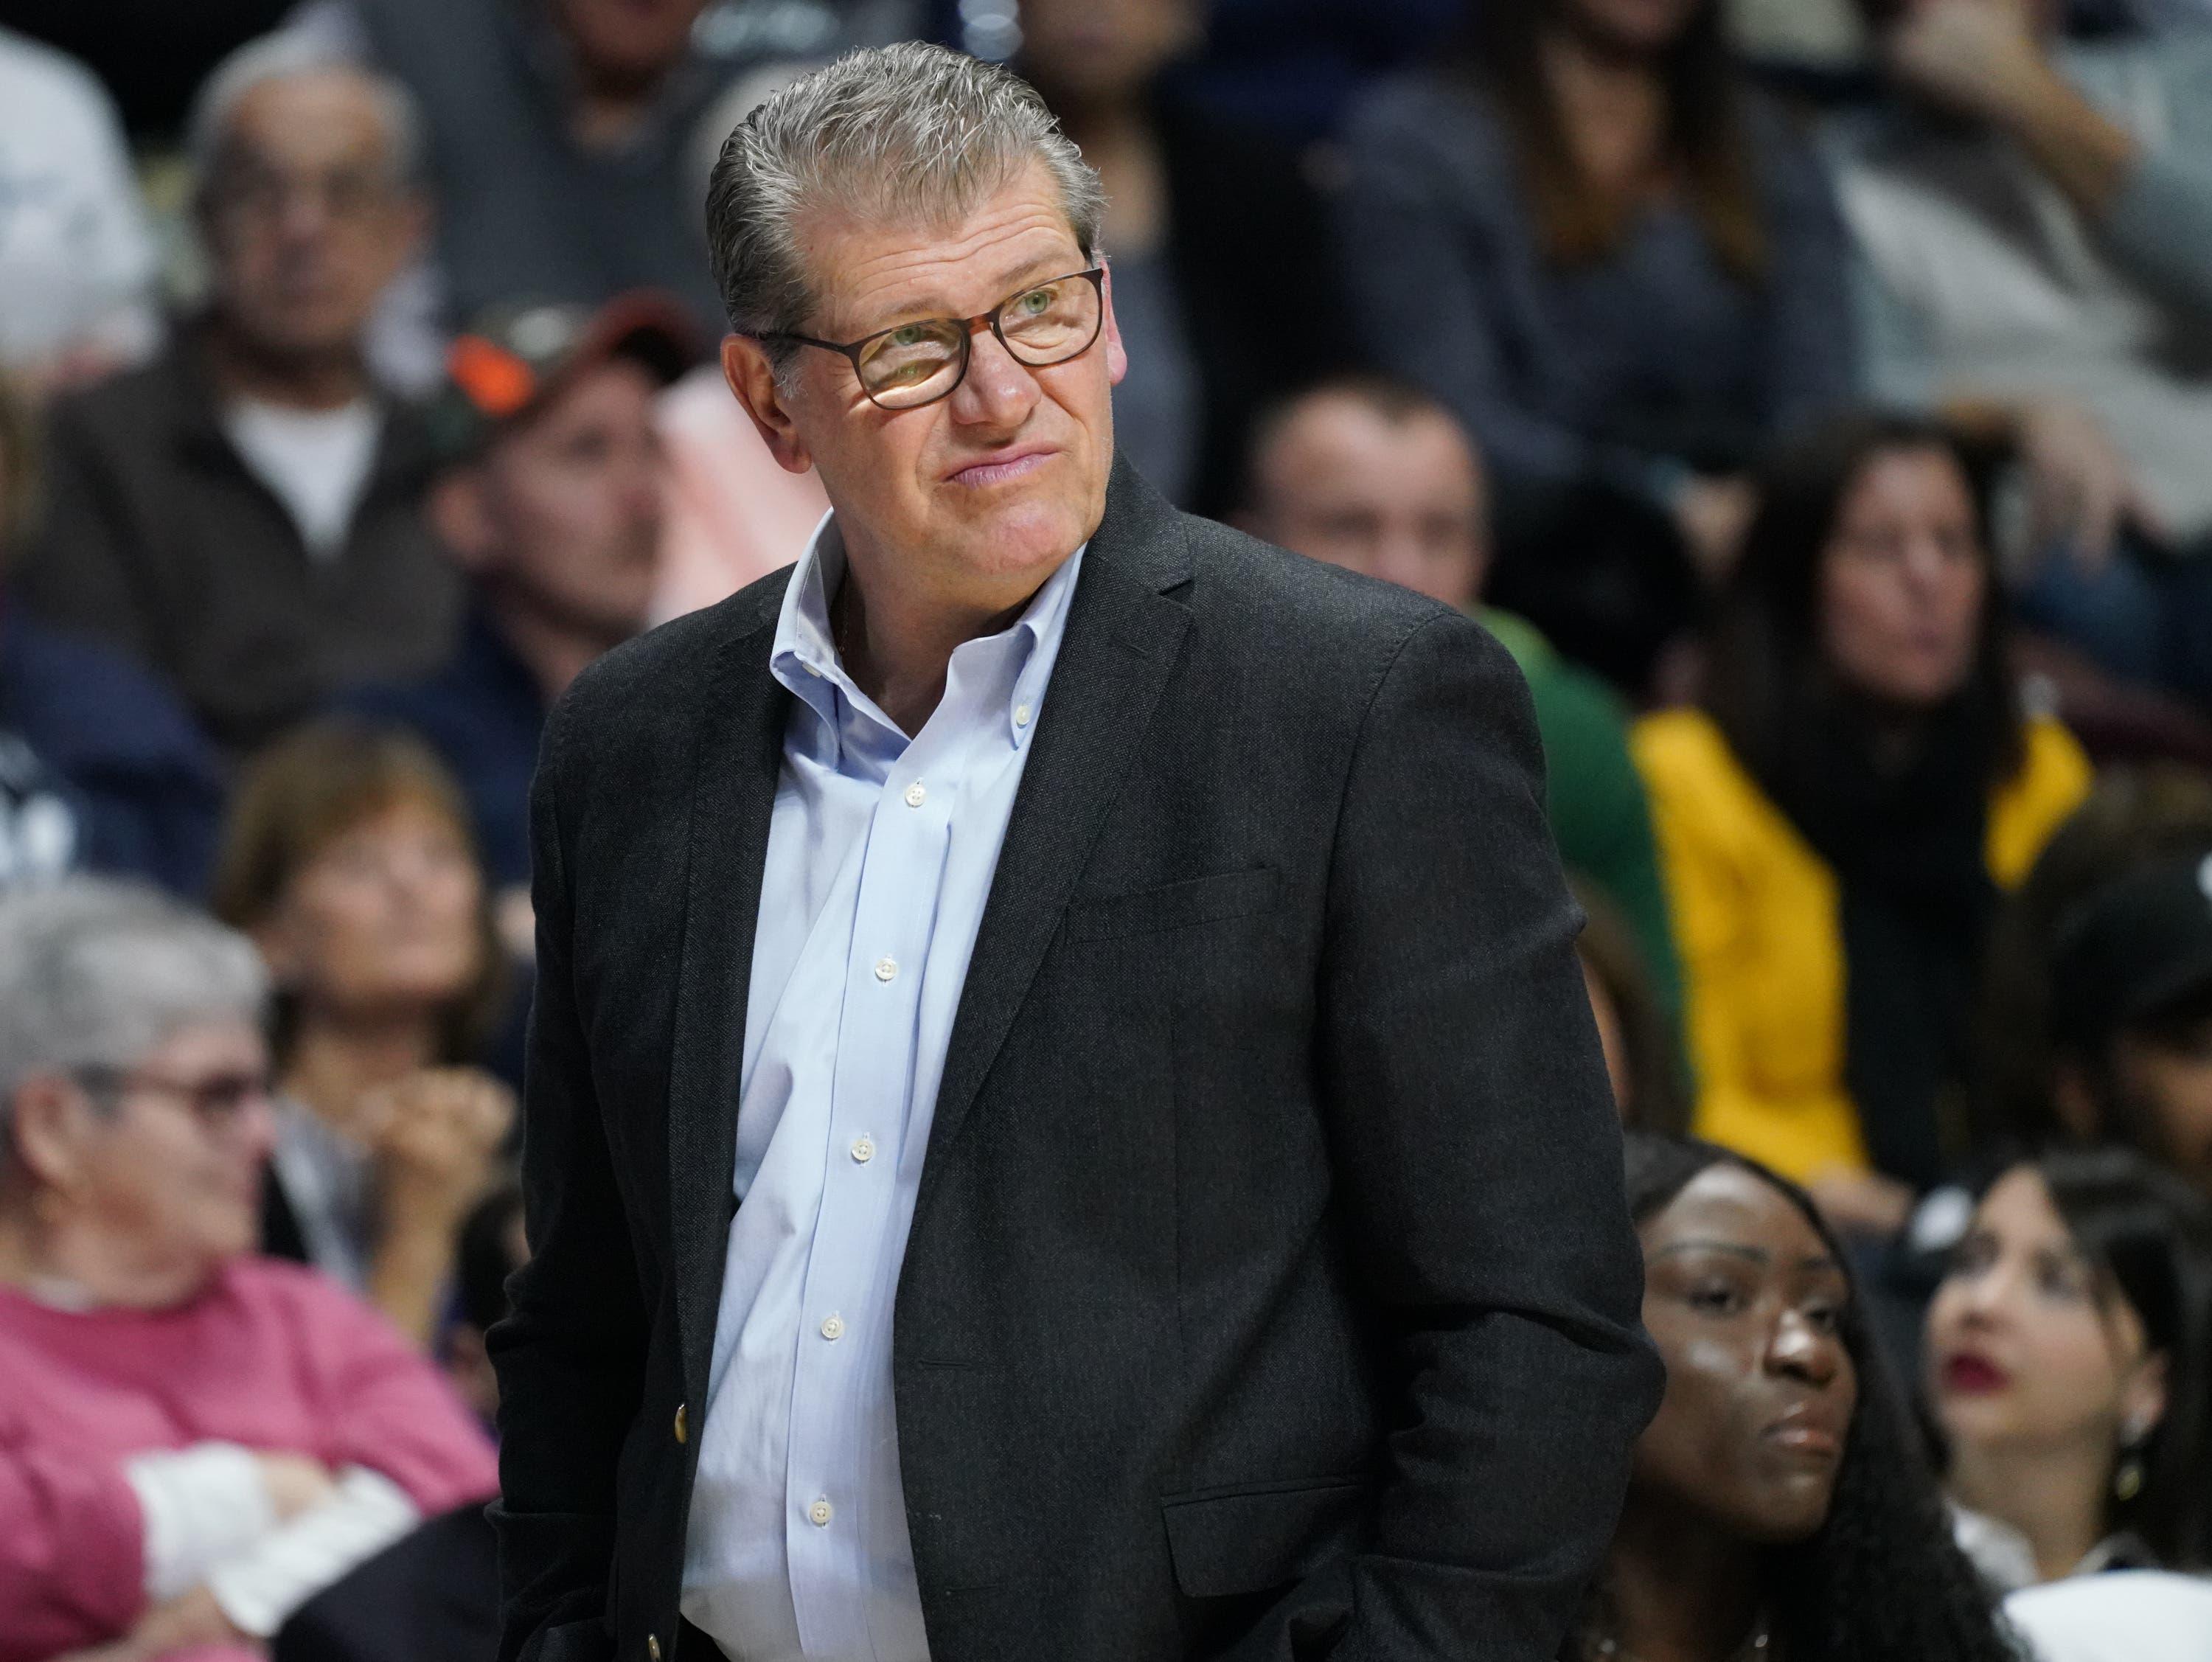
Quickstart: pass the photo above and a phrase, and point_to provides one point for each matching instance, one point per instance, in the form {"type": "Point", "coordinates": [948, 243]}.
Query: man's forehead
{"type": "Point", "coordinates": [869, 274]}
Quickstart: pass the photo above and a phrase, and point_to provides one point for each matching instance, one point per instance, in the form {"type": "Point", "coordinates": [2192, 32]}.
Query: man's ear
{"type": "Point", "coordinates": [1117, 355]}
{"type": "Point", "coordinates": [751, 377]}
{"type": "Point", "coordinates": [459, 514]}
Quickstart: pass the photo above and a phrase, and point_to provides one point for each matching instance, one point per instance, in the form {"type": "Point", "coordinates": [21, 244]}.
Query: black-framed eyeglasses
{"type": "Point", "coordinates": [911, 364]}
{"type": "Point", "coordinates": [216, 1102]}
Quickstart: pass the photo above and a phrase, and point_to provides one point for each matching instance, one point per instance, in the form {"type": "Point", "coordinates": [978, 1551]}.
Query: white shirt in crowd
{"type": "Point", "coordinates": [2123, 1616]}
{"type": "Point", "coordinates": [316, 462]}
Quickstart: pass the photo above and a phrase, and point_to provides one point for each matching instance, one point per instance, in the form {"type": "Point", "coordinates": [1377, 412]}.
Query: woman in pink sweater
{"type": "Point", "coordinates": [192, 1440]}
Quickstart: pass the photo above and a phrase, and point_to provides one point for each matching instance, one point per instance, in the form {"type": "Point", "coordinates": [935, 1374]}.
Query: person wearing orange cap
{"type": "Point", "coordinates": [549, 497]}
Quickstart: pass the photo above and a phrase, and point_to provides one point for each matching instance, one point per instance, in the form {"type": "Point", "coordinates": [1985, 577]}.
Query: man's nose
{"type": "Point", "coordinates": [999, 390]}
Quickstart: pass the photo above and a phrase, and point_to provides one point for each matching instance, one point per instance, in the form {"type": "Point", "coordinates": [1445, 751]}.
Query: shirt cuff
{"type": "Point", "coordinates": [201, 1505]}
{"type": "Point", "coordinates": [259, 1588]}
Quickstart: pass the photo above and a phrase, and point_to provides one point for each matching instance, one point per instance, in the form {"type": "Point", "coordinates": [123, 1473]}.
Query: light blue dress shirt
{"type": "Point", "coordinates": [880, 855]}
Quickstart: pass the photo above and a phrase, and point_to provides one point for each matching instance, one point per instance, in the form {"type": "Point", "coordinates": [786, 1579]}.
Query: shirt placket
{"type": "Point", "coordinates": [859, 1230]}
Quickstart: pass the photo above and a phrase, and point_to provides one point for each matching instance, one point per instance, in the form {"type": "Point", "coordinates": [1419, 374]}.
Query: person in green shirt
{"type": "Point", "coordinates": [1371, 474]}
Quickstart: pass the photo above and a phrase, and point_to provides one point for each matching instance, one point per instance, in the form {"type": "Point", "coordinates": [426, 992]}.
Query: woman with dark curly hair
{"type": "Point", "coordinates": [1779, 1507]}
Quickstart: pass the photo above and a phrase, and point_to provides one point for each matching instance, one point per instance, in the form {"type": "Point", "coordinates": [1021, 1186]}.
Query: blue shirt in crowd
{"type": "Point", "coordinates": [880, 856]}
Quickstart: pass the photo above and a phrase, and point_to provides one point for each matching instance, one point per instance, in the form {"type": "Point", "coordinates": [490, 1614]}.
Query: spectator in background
{"type": "Point", "coordinates": [1779, 1506]}
{"type": "Point", "coordinates": [563, 138]}
{"type": "Point", "coordinates": [2134, 817]}
{"type": "Point", "coordinates": [242, 515]}
{"type": "Point", "coordinates": [101, 767]}
{"type": "Point", "coordinates": [192, 1440]}
{"type": "Point", "coordinates": [2131, 1015]}
{"type": "Point", "coordinates": [76, 261]}
{"type": "Point", "coordinates": [1838, 818]}
{"type": "Point", "coordinates": [1620, 265]}
{"type": "Point", "coordinates": [349, 862]}
{"type": "Point", "coordinates": [1221, 283]}
{"type": "Point", "coordinates": [2069, 1371]}
{"type": "Point", "coordinates": [549, 500]}
{"type": "Point", "coordinates": [1379, 478]}
{"type": "Point", "coordinates": [2034, 227]}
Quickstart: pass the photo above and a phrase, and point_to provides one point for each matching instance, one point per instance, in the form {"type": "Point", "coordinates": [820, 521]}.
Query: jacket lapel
{"type": "Point", "coordinates": [1121, 641]}
{"type": "Point", "coordinates": [739, 758]}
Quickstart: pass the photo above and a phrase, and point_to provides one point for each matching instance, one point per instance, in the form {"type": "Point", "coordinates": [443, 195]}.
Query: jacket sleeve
{"type": "Point", "coordinates": [570, 1354]}
{"type": "Point", "coordinates": [1478, 1158]}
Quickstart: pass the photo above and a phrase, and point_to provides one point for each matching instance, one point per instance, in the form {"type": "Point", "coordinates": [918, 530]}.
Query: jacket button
{"type": "Point", "coordinates": [682, 1424]}
{"type": "Point", "coordinates": [652, 1646]}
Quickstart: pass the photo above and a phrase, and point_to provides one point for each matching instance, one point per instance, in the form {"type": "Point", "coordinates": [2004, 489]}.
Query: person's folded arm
{"type": "Point", "coordinates": [260, 1585]}
{"type": "Point", "coordinates": [1477, 1151]}
{"type": "Point", "coordinates": [72, 1546]}
{"type": "Point", "coordinates": [201, 1505]}
{"type": "Point", "coordinates": [570, 1354]}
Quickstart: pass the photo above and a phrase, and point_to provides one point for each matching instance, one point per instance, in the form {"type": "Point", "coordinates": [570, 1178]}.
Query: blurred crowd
{"type": "Point", "coordinates": [1814, 396]}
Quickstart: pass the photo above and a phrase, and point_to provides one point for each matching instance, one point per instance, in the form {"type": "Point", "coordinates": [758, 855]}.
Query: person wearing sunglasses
{"type": "Point", "coordinates": [193, 1439]}
{"type": "Point", "coordinates": [1058, 1037]}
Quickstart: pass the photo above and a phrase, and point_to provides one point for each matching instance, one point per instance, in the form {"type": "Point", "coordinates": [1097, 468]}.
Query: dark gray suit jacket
{"type": "Point", "coordinates": [1270, 1292]}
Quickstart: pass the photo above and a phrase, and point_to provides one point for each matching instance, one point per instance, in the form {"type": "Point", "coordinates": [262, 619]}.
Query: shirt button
{"type": "Point", "coordinates": [863, 1150]}
{"type": "Point", "coordinates": [886, 968]}
{"type": "Point", "coordinates": [816, 675]}
{"type": "Point", "coordinates": [818, 1514]}
{"type": "Point", "coordinates": [652, 1646]}
{"type": "Point", "coordinates": [683, 1423]}
{"type": "Point", "coordinates": [1021, 715]}
{"type": "Point", "coordinates": [833, 1327]}
{"type": "Point", "coordinates": [916, 795]}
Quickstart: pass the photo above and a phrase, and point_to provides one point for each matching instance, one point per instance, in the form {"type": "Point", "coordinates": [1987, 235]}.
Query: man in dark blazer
{"type": "Point", "coordinates": [1063, 1121]}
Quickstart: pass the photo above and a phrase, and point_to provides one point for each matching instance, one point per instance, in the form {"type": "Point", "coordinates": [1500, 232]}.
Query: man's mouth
{"type": "Point", "coordinates": [1002, 468]}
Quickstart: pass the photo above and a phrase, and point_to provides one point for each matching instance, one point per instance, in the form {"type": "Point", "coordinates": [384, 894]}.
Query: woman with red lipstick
{"type": "Point", "coordinates": [1839, 816]}
{"type": "Point", "coordinates": [1778, 1507]}
{"type": "Point", "coordinates": [2069, 1371]}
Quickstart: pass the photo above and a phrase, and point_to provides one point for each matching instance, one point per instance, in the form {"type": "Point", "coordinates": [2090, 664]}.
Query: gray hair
{"type": "Point", "coordinates": [911, 133]}
{"type": "Point", "coordinates": [95, 973]}
{"type": "Point", "coordinates": [281, 56]}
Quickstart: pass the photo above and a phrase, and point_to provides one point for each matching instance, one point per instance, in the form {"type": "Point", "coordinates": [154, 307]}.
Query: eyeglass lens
{"type": "Point", "coordinates": [1041, 326]}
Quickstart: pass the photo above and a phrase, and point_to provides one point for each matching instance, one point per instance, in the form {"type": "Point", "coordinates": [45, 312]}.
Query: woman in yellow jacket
{"type": "Point", "coordinates": [1838, 818]}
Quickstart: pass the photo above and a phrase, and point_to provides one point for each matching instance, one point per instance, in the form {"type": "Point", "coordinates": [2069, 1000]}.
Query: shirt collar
{"type": "Point", "coordinates": [1009, 668]}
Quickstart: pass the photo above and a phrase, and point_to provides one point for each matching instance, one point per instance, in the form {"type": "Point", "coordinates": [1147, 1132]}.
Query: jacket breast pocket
{"type": "Point", "coordinates": [1173, 905]}
{"type": "Point", "coordinates": [1249, 1540]}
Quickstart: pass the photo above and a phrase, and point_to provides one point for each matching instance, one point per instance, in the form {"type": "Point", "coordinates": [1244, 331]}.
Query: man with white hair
{"type": "Point", "coordinates": [244, 513]}
{"type": "Point", "coordinates": [1062, 1119]}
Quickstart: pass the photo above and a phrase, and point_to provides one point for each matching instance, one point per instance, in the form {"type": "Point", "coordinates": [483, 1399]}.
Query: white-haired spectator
{"type": "Point", "coordinates": [243, 513]}
{"type": "Point", "coordinates": [76, 262]}
{"type": "Point", "coordinates": [192, 1440]}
